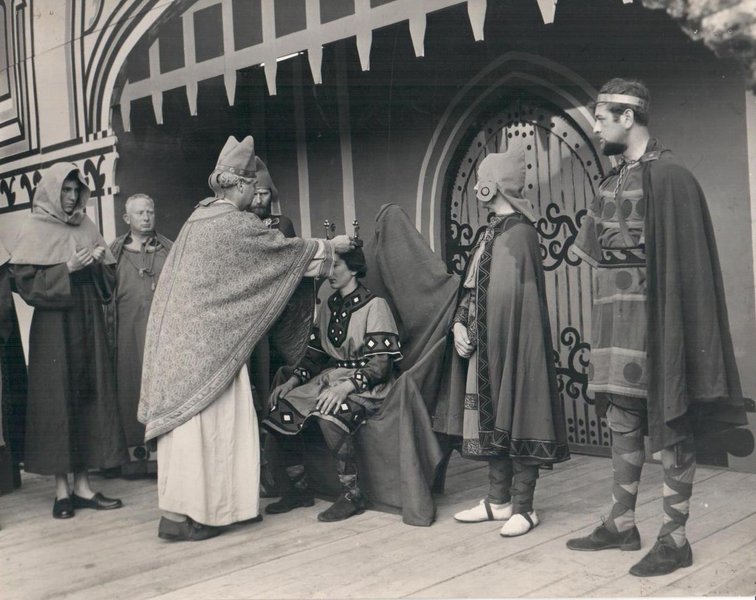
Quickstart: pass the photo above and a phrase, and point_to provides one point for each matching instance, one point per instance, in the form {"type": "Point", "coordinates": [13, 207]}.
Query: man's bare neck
{"type": "Point", "coordinates": [637, 146]}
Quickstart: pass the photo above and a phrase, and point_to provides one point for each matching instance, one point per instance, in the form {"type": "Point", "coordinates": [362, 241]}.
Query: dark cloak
{"type": "Point", "coordinates": [72, 422]}
{"type": "Point", "coordinates": [693, 383]}
{"type": "Point", "coordinates": [14, 390]}
{"type": "Point", "coordinates": [521, 413]}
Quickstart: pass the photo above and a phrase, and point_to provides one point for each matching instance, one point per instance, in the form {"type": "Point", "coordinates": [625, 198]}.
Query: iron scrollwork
{"type": "Point", "coordinates": [550, 228]}
{"type": "Point", "coordinates": [463, 240]}
{"type": "Point", "coordinates": [572, 379]}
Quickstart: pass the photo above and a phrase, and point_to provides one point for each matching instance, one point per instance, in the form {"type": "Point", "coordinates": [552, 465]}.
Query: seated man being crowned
{"type": "Point", "coordinates": [341, 381]}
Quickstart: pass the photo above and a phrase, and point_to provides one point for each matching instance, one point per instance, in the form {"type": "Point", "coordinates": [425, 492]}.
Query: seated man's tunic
{"type": "Point", "coordinates": [355, 339]}
{"type": "Point", "coordinates": [611, 241]}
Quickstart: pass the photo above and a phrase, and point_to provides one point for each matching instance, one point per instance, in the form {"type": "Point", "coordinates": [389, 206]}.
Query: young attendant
{"type": "Point", "coordinates": [513, 416]}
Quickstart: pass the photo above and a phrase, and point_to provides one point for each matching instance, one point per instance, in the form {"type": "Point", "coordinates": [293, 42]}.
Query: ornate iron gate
{"type": "Point", "coordinates": [563, 170]}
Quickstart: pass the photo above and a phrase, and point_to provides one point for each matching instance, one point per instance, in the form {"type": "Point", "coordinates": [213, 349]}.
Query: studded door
{"type": "Point", "coordinates": [563, 171]}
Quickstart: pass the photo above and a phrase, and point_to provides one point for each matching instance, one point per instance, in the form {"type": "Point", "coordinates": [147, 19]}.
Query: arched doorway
{"type": "Point", "coordinates": [563, 170]}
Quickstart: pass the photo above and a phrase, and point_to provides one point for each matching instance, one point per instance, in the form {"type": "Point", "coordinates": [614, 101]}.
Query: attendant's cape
{"type": "Point", "coordinates": [225, 283]}
{"type": "Point", "coordinates": [690, 355]}
{"type": "Point", "coordinates": [515, 355]}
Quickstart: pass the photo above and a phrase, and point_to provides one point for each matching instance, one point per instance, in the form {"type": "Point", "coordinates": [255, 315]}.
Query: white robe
{"type": "Point", "coordinates": [209, 467]}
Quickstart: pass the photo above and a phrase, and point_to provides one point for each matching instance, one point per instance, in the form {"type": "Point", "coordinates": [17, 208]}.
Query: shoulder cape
{"type": "Point", "coordinates": [225, 282]}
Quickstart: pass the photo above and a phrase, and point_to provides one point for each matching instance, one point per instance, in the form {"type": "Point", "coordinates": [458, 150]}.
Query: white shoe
{"type": "Point", "coordinates": [485, 511]}
{"type": "Point", "coordinates": [520, 524]}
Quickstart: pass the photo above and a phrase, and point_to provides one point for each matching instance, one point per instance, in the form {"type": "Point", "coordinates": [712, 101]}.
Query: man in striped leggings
{"type": "Point", "coordinates": [662, 361]}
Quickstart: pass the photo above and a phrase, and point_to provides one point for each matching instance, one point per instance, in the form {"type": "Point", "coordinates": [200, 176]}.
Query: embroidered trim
{"type": "Point", "coordinates": [341, 312]}
{"type": "Point", "coordinates": [615, 258]}
{"type": "Point", "coordinates": [314, 343]}
{"type": "Point", "coordinates": [500, 442]}
{"type": "Point", "coordinates": [360, 381]}
{"type": "Point", "coordinates": [461, 316]}
{"type": "Point", "coordinates": [382, 342]}
{"type": "Point", "coordinates": [286, 419]}
{"type": "Point", "coordinates": [351, 364]}
{"type": "Point", "coordinates": [303, 374]}
{"type": "Point", "coordinates": [487, 419]}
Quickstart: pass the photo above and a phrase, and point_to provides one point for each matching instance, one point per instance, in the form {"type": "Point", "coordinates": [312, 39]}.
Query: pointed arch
{"type": "Point", "coordinates": [546, 78]}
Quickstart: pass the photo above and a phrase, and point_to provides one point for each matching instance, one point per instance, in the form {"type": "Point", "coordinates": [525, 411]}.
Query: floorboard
{"type": "Point", "coordinates": [116, 554]}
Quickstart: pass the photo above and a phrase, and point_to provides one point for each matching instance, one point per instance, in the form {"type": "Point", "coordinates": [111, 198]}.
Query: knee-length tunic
{"type": "Point", "coordinates": [354, 339]}
{"type": "Point", "coordinates": [611, 241]}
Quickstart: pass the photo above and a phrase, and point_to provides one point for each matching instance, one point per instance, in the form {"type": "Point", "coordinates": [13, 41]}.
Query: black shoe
{"type": "Point", "coordinates": [186, 531]}
{"type": "Point", "coordinates": [346, 506]}
{"type": "Point", "coordinates": [603, 539]}
{"type": "Point", "coordinates": [97, 502]}
{"type": "Point", "coordinates": [664, 558]}
{"type": "Point", "coordinates": [290, 502]}
{"type": "Point", "coordinates": [63, 508]}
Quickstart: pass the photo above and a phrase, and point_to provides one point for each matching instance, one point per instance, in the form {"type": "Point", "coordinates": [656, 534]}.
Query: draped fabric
{"type": "Point", "coordinates": [212, 307]}
{"type": "Point", "coordinates": [693, 381]}
{"type": "Point", "coordinates": [48, 235]}
{"type": "Point", "coordinates": [509, 394]}
{"type": "Point", "coordinates": [73, 422]}
{"type": "Point", "coordinates": [397, 449]}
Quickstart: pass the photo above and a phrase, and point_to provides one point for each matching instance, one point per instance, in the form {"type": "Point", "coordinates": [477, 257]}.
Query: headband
{"type": "Point", "coordinates": [623, 99]}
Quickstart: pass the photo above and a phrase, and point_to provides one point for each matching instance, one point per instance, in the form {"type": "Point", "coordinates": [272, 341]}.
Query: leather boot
{"type": "Point", "coordinates": [348, 505]}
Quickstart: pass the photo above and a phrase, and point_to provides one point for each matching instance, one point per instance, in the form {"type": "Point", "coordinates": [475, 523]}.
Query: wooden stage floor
{"type": "Point", "coordinates": [117, 554]}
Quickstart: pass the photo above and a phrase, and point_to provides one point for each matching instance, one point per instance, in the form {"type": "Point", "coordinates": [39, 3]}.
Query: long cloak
{"type": "Point", "coordinates": [14, 385]}
{"type": "Point", "coordinates": [397, 450]}
{"type": "Point", "coordinates": [693, 382]}
{"type": "Point", "coordinates": [72, 420]}
{"type": "Point", "coordinates": [520, 412]}
{"type": "Point", "coordinates": [225, 283]}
